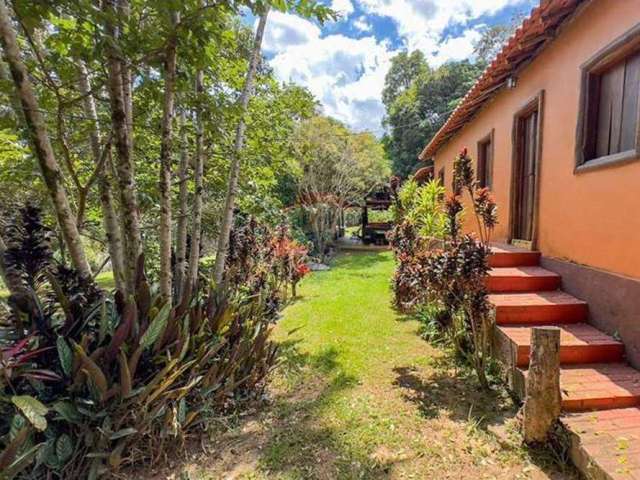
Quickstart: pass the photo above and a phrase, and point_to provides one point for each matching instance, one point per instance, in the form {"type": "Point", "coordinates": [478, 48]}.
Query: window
{"type": "Point", "coordinates": [608, 130]}
{"type": "Point", "coordinates": [485, 162]}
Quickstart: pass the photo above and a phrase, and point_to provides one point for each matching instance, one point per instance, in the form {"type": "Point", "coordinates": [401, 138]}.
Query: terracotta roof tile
{"type": "Point", "coordinates": [523, 46]}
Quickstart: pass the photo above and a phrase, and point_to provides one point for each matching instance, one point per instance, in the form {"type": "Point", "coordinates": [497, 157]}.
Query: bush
{"type": "Point", "coordinates": [441, 273]}
{"type": "Point", "coordinates": [456, 273]}
{"type": "Point", "coordinates": [421, 206]}
{"type": "Point", "coordinates": [91, 382]}
{"type": "Point", "coordinates": [421, 224]}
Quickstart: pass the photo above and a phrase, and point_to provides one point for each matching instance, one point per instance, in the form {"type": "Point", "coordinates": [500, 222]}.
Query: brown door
{"type": "Point", "coordinates": [525, 176]}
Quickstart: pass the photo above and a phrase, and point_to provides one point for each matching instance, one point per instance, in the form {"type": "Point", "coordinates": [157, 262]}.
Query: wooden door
{"type": "Point", "coordinates": [525, 177]}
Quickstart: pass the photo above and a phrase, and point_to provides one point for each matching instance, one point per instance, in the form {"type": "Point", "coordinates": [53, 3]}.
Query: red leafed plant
{"type": "Point", "coordinates": [455, 274]}
{"type": "Point", "coordinates": [291, 258]}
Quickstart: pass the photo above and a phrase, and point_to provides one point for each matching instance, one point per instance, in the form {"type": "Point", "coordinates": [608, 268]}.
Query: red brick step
{"type": "Point", "coordinates": [605, 444]}
{"type": "Point", "coordinates": [596, 386]}
{"type": "Point", "coordinates": [579, 343]}
{"type": "Point", "coordinates": [522, 279]}
{"type": "Point", "coordinates": [510, 256]}
{"type": "Point", "coordinates": [593, 377]}
{"type": "Point", "coordinates": [541, 308]}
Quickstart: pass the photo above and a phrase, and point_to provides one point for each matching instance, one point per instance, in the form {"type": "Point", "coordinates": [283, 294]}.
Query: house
{"type": "Point", "coordinates": [554, 126]}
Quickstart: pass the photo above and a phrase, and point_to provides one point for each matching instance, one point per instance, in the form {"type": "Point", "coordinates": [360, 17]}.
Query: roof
{"type": "Point", "coordinates": [525, 44]}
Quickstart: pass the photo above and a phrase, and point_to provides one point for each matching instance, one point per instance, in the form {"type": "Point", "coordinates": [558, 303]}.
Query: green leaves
{"type": "Point", "coordinates": [64, 448]}
{"type": "Point", "coordinates": [32, 409]}
{"type": "Point", "coordinates": [156, 327]}
{"type": "Point", "coordinates": [65, 355]}
{"type": "Point", "coordinates": [423, 208]}
{"type": "Point", "coordinates": [125, 432]}
{"type": "Point", "coordinates": [67, 411]}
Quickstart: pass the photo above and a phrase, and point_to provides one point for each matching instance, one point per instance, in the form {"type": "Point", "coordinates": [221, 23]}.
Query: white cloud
{"type": "Point", "coordinates": [285, 31]}
{"type": "Point", "coordinates": [343, 7]}
{"type": "Point", "coordinates": [361, 24]}
{"type": "Point", "coordinates": [345, 74]}
{"type": "Point", "coordinates": [457, 48]}
{"type": "Point", "coordinates": [421, 23]}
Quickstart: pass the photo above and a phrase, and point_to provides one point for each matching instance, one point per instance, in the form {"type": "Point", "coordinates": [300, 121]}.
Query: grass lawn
{"type": "Point", "coordinates": [361, 396]}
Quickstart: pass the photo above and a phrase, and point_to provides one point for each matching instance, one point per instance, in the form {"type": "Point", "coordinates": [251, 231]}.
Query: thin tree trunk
{"type": "Point", "coordinates": [3, 270]}
{"type": "Point", "coordinates": [127, 83]}
{"type": "Point", "coordinates": [234, 170]}
{"type": "Point", "coordinates": [130, 220]}
{"type": "Point", "coordinates": [42, 145]}
{"type": "Point", "coordinates": [166, 148]}
{"type": "Point", "coordinates": [198, 173]}
{"type": "Point", "coordinates": [109, 215]}
{"type": "Point", "coordinates": [183, 199]}
{"type": "Point", "coordinates": [111, 226]}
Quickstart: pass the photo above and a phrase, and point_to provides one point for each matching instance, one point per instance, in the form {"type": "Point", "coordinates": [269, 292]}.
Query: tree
{"type": "Point", "coordinates": [121, 119]}
{"type": "Point", "coordinates": [110, 219]}
{"type": "Point", "coordinates": [418, 104]}
{"type": "Point", "coordinates": [373, 163]}
{"type": "Point", "coordinates": [170, 59]}
{"type": "Point", "coordinates": [108, 82]}
{"type": "Point", "coordinates": [493, 39]}
{"type": "Point", "coordinates": [336, 167]}
{"type": "Point", "coordinates": [39, 136]}
{"type": "Point", "coordinates": [238, 147]}
{"type": "Point", "coordinates": [405, 68]}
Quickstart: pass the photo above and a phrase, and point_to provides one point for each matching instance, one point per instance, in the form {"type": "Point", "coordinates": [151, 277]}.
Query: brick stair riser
{"type": "Point", "coordinates": [518, 382]}
{"type": "Point", "coordinates": [608, 391]}
{"type": "Point", "coordinates": [524, 259]}
{"type": "Point", "coordinates": [541, 314]}
{"type": "Point", "coordinates": [522, 284]}
{"type": "Point", "coordinates": [573, 355]}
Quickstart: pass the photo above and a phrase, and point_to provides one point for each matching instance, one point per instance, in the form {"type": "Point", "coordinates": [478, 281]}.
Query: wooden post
{"type": "Point", "coordinates": [542, 401]}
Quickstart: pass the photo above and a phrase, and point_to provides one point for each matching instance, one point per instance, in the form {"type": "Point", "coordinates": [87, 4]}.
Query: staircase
{"type": "Point", "coordinates": [600, 390]}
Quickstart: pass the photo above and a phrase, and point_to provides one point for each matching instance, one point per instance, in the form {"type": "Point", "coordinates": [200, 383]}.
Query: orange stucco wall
{"type": "Point", "coordinates": [593, 217]}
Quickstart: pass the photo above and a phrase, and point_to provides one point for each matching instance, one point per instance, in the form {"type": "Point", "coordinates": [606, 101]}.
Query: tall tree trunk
{"type": "Point", "coordinates": [109, 215]}
{"type": "Point", "coordinates": [42, 146]}
{"type": "Point", "coordinates": [130, 220]}
{"type": "Point", "coordinates": [198, 173]}
{"type": "Point", "coordinates": [166, 150]}
{"type": "Point", "coordinates": [3, 270]}
{"type": "Point", "coordinates": [127, 82]}
{"type": "Point", "coordinates": [234, 170]}
{"type": "Point", "coordinates": [183, 199]}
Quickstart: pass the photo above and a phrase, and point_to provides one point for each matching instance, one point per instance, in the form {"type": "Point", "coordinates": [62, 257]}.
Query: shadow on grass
{"type": "Point", "coordinates": [450, 392]}
{"type": "Point", "coordinates": [453, 391]}
{"type": "Point", "coordinates": [303, 442]}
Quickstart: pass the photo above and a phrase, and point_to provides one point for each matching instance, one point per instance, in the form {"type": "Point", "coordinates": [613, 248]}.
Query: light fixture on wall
{"type": "Point", "coordinates": [512, 82]}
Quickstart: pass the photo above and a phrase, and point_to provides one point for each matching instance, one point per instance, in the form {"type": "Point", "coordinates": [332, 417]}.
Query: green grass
{"type": "Point", "coordinates": [105, 280]}
{"type": "Point", "coordinates": [360, 396]}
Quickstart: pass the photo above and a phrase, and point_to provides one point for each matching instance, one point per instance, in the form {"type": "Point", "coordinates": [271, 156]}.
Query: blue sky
{"type": "Point", "coordinates": [344, 62]}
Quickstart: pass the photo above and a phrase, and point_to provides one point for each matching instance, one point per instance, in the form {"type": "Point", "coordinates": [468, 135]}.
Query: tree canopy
{"type": "Point", "coordinates": [418, 98]}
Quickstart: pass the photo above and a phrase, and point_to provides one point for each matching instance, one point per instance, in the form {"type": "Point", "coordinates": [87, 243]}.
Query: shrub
{"type": "Point", "coordinates": [420, 226]}
{"type": "Point", "coordinates": [440, 272]}
{"type": "Point", "coordinates": [291, 259]}
{"type": "Point", "coordinates": [421, 206]}
{"type": "Point", "coordinates": [91, 382]}
{"type": "Point", "coordinates": [455, 274]}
